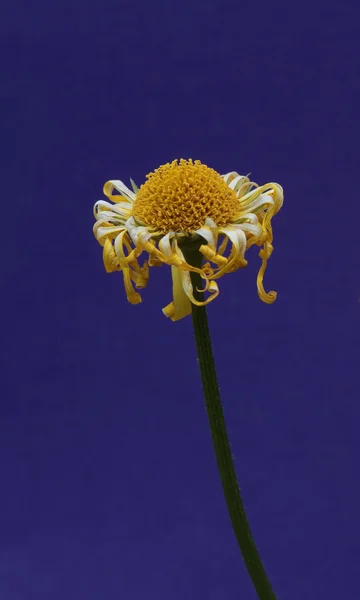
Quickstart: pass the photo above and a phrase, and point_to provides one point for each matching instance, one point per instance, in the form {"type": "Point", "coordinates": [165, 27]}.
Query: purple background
{"type": "Point", "coordinates": [109, 486]}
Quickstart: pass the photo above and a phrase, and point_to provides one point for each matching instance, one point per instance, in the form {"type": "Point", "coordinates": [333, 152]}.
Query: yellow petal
{"type": "Point", "coordinates": [269, 297]}
{"type": "Point", "coordinates": [132, 296]}
{"type": "Point", "coordinates": [139, 275]}
{"type": "Point", "coordinates": [181, 306]}
{"type": "Point", "coordinates": [212, 256]}
{"type": "Point", "coordinates": [109, 256]}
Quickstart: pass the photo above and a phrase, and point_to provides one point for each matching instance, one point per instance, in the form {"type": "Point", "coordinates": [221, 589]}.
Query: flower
{"type": "Point", "coordinates": [183, 201]}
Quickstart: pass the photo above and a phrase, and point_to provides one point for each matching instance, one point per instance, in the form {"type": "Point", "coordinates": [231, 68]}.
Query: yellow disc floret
{"type": "Point", "coordinates": [179, 196]}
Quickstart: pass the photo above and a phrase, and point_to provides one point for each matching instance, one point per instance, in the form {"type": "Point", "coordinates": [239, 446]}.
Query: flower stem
{"type": "Point", "coordinates": [220, 438]}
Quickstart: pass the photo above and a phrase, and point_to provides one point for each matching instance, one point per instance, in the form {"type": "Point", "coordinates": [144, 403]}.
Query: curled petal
{"type": "Point", "coordinates": [251, 204]}
{"type": "Point", "coordinates": [188, 289]}
{"type": "Point", "coordinates": [120, 242]}
{"type": "Point", "coordinates": [269, 297]}
{"type": "Point", "coordinates": [211, 255]}
{"type": "Point", "coordinates": [124, 192]}
{"type": "Point", "coordinates": [236, 259]}
{"type": "Point", "coordinates": [184, 297]}
{"type": "Point", "coordinates": [254, 234]}
{"type": "Point", "coordinates": [277, 193]}
{"type": "Point", "coordinates": [124, 239]}
{"type": "Point", "coordinates": [181, 262]}
{"type": "Point", "coordinates": [263, 197]}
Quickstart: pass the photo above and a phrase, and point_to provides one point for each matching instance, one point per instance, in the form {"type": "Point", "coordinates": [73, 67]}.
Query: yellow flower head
{"type": "Point", "coordinates": [180, 202]}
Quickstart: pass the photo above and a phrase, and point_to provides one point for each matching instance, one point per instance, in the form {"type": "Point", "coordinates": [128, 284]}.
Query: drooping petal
{"type": "Point", "coordinates": [209, 232]}
{"type": "Point", "coordinates": [223, 245]}
{"type": "Point", "coordinates": [165, 245]}
{"type": "Point", "coordinates": [181, 305]}
{"type": "Point", "coordinates": [125, 260]}
{"type": "Point", "coordinates": [139, 275]}
{"type": "Point", "coordinates": [132, 296]}
{"type": "Point", "coordinates": [277, 193]}
{"type": "Point", "coordinates": [124, 239]}
{"type": "Point", "coordinates": [109, 257]}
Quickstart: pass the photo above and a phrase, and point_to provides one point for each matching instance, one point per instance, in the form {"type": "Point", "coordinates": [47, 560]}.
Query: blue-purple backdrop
{"type": "Point", "coordinates": [109, 486]}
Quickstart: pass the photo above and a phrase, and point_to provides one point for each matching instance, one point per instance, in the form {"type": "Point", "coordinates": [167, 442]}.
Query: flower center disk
{"type": "Point", "coordinates": [181, 195]}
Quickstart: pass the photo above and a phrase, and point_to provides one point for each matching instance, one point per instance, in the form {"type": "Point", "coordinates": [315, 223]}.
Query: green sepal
{"type": "Point", "coordinates": [134, 186]}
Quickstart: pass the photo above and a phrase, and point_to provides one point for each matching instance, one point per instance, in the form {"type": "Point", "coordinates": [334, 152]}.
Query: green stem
{"type": "Point", "coordinates": [220, 438]}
